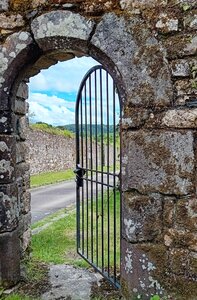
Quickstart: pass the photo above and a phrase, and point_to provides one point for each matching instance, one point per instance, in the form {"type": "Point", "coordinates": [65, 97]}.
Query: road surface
{"type": "Point", "coordinates": [48, 199]}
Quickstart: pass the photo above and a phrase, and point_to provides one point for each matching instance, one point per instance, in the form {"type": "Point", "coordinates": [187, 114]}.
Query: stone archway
{"type": "Point", "coordinates": [151, 187]}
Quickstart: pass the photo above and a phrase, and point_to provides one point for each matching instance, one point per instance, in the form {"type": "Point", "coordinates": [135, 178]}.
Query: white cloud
{"type": "Point", "coordinates": [51, 109]}
{"type": "Point", "coordinates": [62, 77]}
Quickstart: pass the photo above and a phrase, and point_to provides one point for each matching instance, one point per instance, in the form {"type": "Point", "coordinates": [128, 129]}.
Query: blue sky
{"type": "Point", "coordinates": [52, 93]}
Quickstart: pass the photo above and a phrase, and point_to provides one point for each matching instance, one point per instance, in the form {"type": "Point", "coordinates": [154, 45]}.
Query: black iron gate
{"type": "Point", "coordinates": [98, 115]}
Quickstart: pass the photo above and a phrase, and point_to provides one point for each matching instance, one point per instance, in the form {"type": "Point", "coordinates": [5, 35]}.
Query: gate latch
{"type": "Point", "coordinates": [79, 171]}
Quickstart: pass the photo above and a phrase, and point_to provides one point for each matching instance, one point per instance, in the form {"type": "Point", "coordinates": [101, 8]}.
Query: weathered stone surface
{"type": "Point", "coordinates": [26, 202]}
{"type": "Point", "coordinates": [129, 4]}
{"type": "Point", "coordinates": [4, 4]}
{"type": "Point", "coordinates": [24, 223]}
{"type": "Point", "coordinates": [44, 62]}
{"type": "Point", "coordinates": [183, 118]}
{"type": "Point", "coordinates": [180, 68]}
{"type": "Point", "coordinates": [190, 21]}
{"type": "Point", "coordinates": [64, 286]}
{"type": "Point", "coordinates": [166, 23]}
{"type": "Point", "coordinates": [9, 259]}
{"type": "Point", "coordinates": [16, 45]}
{"type": "Point", "coordinates": [61, 55]}
{"type": "Point", "coordinates": [26, 240]}
{"type": "Point", "coordinates": [61, 24]}
{"type": "Point", "coordinates": [180, 46]}
{"type": "Point", "coordinates": [138, 270]}
{"type": "Point", "coordinates": [185, 90]}
{"type": "Point", "coordinates": [22, 169]}
{"type": "Point", "coordinates": [158, 161]}
{"type": "Point", "coordinates": [142, 66]}
{"type": "Point", "coordinates": [134, 117]}
{"type": "Point", "coordinates": [186, 215]}
{"type": "Point", "coordinates": [21, 152]}
{"type": "Point", "coordinates": [169, 212]}
{"type": "Point", "coordinates": [182, 239]}
{"type": "Point", "coordinates": [98, 7]}
{"type": "Point", "coordinates": [6, 122]}
{"type": "Point", "coordinates": [9, 208]}
{"type": "Point", "coordinates": [23, 91]}
{"type": "Point", "coordinates": [22, 128]}
{"type": "Point", "coordinates": [142, 217]}
{"type": "Point", "coordinates": [8, 158]}
{"type": "Point", "coordinates": [10, 22]}
{"type": "Point", "coordinates": [179, 261]}
{"type": "Point", "coordinates": [20, 106]}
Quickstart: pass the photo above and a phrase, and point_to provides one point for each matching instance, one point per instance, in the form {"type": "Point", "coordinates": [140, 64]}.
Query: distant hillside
{"type": "Point", "coordinates": [71, 127]}
{"type": "Point", "coordinates": [51, 129]}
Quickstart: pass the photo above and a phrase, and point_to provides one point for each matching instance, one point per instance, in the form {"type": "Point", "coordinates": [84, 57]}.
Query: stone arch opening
{"type": "Point", "coordinates": [155, 193]}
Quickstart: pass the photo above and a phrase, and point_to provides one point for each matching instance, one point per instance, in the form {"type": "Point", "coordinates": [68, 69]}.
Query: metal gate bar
{"type": "Point", "coordinates": [97, 173]}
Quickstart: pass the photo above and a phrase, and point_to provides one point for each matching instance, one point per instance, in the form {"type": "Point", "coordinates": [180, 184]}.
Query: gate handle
{"type": "Point", "coordinates": [79, 171]}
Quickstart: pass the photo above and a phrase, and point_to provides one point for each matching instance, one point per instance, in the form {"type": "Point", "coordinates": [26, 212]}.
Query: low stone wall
{"type": "Point", "coordinates": [49, 152]}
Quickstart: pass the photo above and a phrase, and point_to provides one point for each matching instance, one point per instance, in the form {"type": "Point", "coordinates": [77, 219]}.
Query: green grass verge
{"type": "Point", "coordinates": [50, 177]}
{"type": "Point", "coordinates": [57, 243]}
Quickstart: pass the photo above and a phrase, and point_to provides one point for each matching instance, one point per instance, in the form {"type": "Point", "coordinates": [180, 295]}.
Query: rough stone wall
{"type": "Point", "coordinates": [150, 48]}
{"type": "Point", "coordinates": [48, 152]}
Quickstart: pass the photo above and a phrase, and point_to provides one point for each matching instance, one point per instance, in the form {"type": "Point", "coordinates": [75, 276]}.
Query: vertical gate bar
{"type": "Point", "coordinates": [102, 200]}
{"type": "Point", "coordinates": [78, 188]}
{"type": "Point", "coordinates": [91, 165]}
{"type": "Point", "coordinates": [108, 200]}
{"type": "Point", "coordinates": [82, 164]}
{"type": "Point", "coordinates": [96, 150]}
{"type": "Point", "coordinates": [87, 210]}
{"type": "Point", "coordinates": [114, 171]}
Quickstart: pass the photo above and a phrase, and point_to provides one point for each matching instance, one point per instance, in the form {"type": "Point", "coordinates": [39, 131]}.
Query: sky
{"type": "Point", "coordinates": [52, 93]}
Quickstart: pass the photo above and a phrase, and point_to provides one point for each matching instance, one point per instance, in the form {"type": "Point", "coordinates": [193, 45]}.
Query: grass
{"type": "Point", "coordinates": [52, 130]}
{"type": "Point", "coordinates": [50, 177]}
{"type": "Point", "coordinates": [57, 243]}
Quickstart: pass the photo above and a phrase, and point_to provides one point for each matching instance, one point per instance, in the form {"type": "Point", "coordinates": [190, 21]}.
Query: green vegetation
{"type": "Point", "coordinates": [185, 6]}
{"type": "Point", "coordinates": [155, 297]}
{"type": "Point", "coordinates": [50, 177]}
{"type": "Point", "coordinates": [57, 243]}
{"type": "Point", "coordinates": [94, 128]}
{"type": "Point", "coordinates": [51, 129]}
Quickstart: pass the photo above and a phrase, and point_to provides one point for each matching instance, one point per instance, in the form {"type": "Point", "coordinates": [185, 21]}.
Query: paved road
{"type": "Point", "coordinates": [46, 200]}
